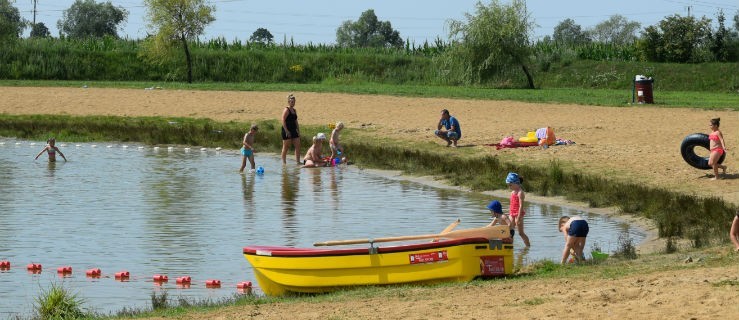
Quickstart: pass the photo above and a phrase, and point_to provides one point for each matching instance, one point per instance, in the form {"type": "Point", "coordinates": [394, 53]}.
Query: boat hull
{"type": "Point", "coordinates": [280, 270]}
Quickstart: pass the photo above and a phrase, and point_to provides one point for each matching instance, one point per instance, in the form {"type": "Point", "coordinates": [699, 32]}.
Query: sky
{"type": "Point", "coordinates": [316, 21]}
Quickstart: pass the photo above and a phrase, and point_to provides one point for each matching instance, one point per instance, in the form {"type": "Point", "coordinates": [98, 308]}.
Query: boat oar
{"type": "Point", "coordinates": [489, 232]}
{"type": "Point", "coordinates": [448, 228]}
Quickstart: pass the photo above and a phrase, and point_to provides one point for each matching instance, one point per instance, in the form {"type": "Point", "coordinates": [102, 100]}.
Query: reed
{"type": "Point", "coordinates": [701, 220]}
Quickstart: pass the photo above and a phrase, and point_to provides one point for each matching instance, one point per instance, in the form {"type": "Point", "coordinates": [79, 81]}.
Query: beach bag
{"type": "Point", "coordinates": [507, 141]}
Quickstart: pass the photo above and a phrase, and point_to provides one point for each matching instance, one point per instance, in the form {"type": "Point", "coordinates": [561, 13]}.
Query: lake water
{"type": "Point", "coordinates": [187, 212]}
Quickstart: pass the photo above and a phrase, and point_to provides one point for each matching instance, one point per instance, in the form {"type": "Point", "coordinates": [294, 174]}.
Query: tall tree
{"type": "Point", "coordinates": [39, 30]}
{"type": "Point", "coordinates": [721, 38]}
{"type": "Point", "coordinates": [676, 39]}
{"type": "Point", "coordinates": [368, 31]}
{"type": "Point", "coordinates": [11, 22]}
{"type": "Point", "coordinates": [176, 22]}
{"type": "Point", "coordinates": [261, 35]}
{"type": "Point", "coordinates": [616, 30]}
{"type": "Point", "coordinates": [570, 33]}
{"type": "Point", "coordinates": [495, 36]}
{"type": "Point", "coordinates": [87, 18]}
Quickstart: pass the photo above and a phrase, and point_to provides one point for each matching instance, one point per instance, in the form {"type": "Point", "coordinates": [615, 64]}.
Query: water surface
{"type": "Point", "coordinates": [188, 212]}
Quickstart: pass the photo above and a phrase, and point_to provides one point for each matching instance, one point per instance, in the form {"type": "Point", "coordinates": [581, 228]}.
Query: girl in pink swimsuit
{"type": "Point", "coordinates": [717, 147]}
{"type": "Point", "coordinates": [51, 150]}
{"type": "Point", "coordinates": [516, 210]}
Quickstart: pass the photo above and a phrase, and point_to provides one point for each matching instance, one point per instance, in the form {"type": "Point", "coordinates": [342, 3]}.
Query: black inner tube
{"type": "Point", "coordinates": [688, 152]}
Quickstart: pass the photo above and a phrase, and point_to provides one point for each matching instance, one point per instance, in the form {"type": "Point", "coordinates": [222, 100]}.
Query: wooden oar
{"type": "Point", "coordinates": [489, 232]}
{"type": "Point", "coordinates": [448, 228]}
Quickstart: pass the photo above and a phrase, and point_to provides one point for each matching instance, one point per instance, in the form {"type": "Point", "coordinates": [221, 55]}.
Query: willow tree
{"type": "Point", "coordinates": [175, 23]}
{"type": "Point", "coordinates": [493, 39]}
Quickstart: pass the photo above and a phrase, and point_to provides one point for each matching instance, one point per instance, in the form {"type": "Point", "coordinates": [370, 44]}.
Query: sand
{"type": "Point", "coordinates": [630, 143]}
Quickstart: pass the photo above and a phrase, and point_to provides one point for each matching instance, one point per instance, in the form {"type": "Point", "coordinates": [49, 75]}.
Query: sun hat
{"type": "Point", "coordinates": [321, 136]}
{"type": "Point", "coordinates": [495, 206]}
{"type": "Point", "coordinates": [513, 178]}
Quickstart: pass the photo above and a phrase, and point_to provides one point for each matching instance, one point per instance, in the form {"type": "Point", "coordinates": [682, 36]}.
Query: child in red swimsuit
{"type": "Point", "coordinates": [717, 147]}
{"type": "Point", "coordinates": [516, 210]}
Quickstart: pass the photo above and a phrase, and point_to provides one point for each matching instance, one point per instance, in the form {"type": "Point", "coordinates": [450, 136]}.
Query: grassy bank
{"type": "Point", "coordinates": [701, 220]}
{"type": "Point", "coordinates": [599, 97]}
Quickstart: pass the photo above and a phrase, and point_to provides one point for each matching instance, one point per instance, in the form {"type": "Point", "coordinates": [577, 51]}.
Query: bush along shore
{"type": "Point", "coordinates": [703, 221]}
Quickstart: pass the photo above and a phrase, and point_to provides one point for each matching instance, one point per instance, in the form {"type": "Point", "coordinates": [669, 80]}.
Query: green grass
{"type": "Point", "coordinates": [599, 97]}
{"type": "Point", "coordinates": [58, 303]}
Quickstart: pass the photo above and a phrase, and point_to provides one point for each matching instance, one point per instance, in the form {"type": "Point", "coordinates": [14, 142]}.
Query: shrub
{"type": "Point", "coordinates": [58, 303]}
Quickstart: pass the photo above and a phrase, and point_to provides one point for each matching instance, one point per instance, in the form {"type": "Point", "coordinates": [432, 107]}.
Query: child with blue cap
{"type": "Point", "coordinates": [516, 210]}
{"type": "Point", "coordinates": [496, 210]}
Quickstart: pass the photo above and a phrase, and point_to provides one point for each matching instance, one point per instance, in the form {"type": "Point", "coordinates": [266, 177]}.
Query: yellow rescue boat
{"type": "Point", "coordinates": [280, 270]}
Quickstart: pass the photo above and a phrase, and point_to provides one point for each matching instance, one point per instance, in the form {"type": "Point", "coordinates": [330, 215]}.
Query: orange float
{"type": "Point", "coordinates": [213, 283]}
{"type": "Point", "coordinates": [65, 269]}
{"type": "Point", "coordinates": [93, 272]}
{"type": "Point", "coordinates": [123, 275]}
{"type": "Point", "coordinates": [34, 267]}
{"type": "Point", "coordinates": [186, 280]}
{"type": "Point", "coordinates": [160, 278]}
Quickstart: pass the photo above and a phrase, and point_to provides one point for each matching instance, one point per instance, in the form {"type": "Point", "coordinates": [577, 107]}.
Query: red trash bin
{"type": "Point", "coordinates": [643, 88]}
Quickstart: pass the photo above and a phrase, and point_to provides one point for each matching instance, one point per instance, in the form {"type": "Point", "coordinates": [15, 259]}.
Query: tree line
{"type": "Point", "coordinates": [493, 40]}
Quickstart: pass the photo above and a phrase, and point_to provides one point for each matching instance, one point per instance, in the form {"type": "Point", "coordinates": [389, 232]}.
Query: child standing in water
{"type": "Point", "coordinates": [247, 151]}
{"type": "Point", "coordinates": [516, 210]}
{"type": "Point", "coordinates": [575, 230]}
{"type": "Point", "coordinates": [51, 150]}
{"type": "Point", "coordinates": [333, 142]}
{"type": "Point", "coordinates": [716, 139]}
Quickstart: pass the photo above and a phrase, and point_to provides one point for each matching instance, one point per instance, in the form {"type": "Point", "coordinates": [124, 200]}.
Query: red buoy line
{"type": "Point", "coordinates": [244, 287]}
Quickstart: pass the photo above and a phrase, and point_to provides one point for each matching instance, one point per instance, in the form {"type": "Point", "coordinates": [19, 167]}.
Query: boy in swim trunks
{"type": "Point", "coordinates": [247, 151]}
{"type": "Point", "coordinates": [575, 230]}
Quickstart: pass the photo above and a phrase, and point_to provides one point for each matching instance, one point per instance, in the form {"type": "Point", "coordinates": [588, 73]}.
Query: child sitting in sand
{"type": "Point", "coordinates": [51, 150]}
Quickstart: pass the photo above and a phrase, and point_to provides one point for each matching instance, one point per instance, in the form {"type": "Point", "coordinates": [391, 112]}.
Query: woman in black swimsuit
{"type": "Point", "coordinates": [290, 130]}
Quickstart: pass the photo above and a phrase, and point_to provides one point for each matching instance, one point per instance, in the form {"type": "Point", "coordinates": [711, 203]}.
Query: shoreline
{"type": "Point", "coordinates": [651, 243]}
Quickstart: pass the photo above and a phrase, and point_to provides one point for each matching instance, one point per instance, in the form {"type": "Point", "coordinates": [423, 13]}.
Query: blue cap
{"type": "Point", "coordinates": [495, 206]}
{"type": "Point", "coordinates": [513, 178]}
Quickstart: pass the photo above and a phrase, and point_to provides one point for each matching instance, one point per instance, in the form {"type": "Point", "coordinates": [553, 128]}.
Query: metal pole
{"type": "Point", "coordinates": [34, 12]}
